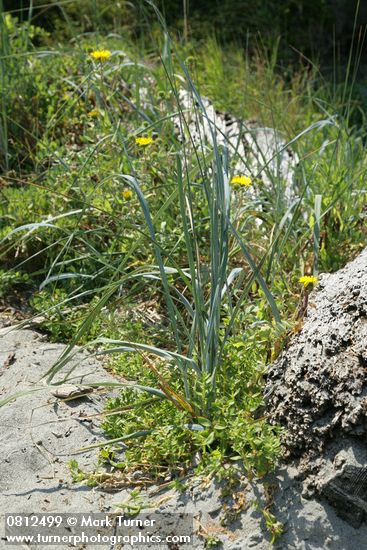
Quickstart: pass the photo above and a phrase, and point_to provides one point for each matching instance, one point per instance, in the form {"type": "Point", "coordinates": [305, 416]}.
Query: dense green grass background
{"type": "Point", "coordinates": [314, 27]}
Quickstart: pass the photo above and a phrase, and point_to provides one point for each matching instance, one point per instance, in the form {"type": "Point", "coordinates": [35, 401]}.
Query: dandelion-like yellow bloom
{"type": "Point", "coordinates": [100, 55]}
{"type": "Point", "coordinates": [93, 113]}
{"type": "Point", "coordinates": [241, 181]}
{"type": "Point", "coordinates": [143, 141]}
{"type": "Point", "coordinates": [127, 194]}
{"type": "Point", "coordinates": [308, 280]}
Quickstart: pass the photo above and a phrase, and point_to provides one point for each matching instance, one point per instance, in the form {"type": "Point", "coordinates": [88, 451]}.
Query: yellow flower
{"type": "Point", "coordinates": [100, 55]}
{"type": "Point", "coordinates": [143, 141]}
{"type": "Point", "coordinates": [94, 113]}
{"type": "Point", "coordinates": [241, 181]}
{"type": "Point", "coordinates": [308, 280]}
{"type": "Point", "coordinates": [127, 194]}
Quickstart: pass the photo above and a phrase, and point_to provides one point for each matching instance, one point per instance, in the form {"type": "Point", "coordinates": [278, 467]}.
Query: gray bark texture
{"type": "Point", "coordinates": [317, 390]}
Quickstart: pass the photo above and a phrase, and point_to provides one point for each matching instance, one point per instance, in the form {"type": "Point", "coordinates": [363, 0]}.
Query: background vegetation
{"type": "Point", "coordinates": [319, 29]}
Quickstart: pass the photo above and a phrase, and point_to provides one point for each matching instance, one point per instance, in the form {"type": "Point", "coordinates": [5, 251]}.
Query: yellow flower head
{"type": "Point", "coordinates": [241, 181]}
{"type": "Point", "coordinates": [143, 141]}
{"type": "Point", "coordinates": [94, 113]}
{"type": "Point", "coordinates": [308, 280]}
{"type": "Point", "coordinates": [127, 194]}
{"type": "Point", "coordinates": [100, 55]}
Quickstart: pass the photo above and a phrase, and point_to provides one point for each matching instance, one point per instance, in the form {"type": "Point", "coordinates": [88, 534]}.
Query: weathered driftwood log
{"type": "Point", "coordinates": [256, 151]}
{"type": "Point", "coordinates": [317, 390]}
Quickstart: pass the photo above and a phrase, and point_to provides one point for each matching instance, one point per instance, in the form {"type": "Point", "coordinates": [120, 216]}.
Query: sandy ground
{"type": "Point", "coordinates": [40, 434]}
